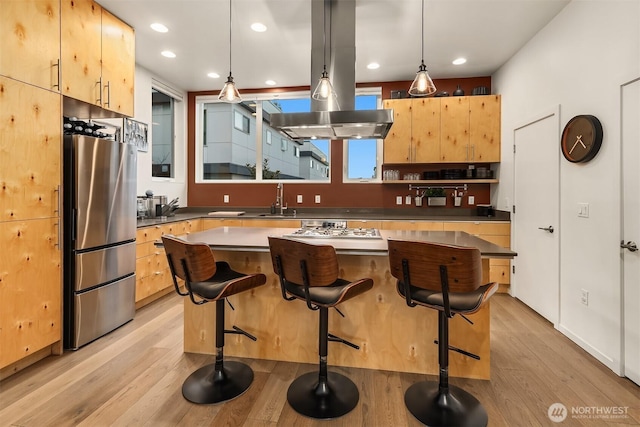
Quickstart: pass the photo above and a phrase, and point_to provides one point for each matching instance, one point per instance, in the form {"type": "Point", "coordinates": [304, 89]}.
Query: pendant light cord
{"type": "Point", "coordinates": [324, 34]}
{"type": "Point", "coordinates": [422, 59]}
{"type": "Point", "coordinates": [230, 37]}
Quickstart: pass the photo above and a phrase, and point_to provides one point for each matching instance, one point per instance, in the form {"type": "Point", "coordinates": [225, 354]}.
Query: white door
{"type": "Point", "coordinates": [631, 227]}
{"type": "Point", "coordinates": [536, 218]}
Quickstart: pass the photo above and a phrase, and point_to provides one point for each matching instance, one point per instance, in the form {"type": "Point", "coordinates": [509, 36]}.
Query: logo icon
{"type": "Point", "coordinates": [557, 412]}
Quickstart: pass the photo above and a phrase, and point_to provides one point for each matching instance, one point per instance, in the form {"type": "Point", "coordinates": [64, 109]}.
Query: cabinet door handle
{"type": "Point", "coordinates": [108, 86]}
{"type": "Point", "coordinates": [58, 202]}
{"type": "Point", "coordinates": [99, 83]}
{"type": "Point", "coordinates": [57, 244]}
{"type": "Point", "coordinates": [57, 65]}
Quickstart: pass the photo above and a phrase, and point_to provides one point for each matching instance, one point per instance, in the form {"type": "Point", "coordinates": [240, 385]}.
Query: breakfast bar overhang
{"type": "Point", "coordinates": [391, 335]}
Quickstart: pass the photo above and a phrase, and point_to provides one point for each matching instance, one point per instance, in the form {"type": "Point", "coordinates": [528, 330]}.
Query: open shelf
{"type": "Point", "coordinates": [442, 181]}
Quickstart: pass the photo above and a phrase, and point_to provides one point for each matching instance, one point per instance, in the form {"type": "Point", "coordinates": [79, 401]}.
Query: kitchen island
{"type": "Point", "coordinates": [391, 335]}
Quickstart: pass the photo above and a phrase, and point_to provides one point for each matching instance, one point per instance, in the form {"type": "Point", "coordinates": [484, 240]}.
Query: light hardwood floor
{"type": "Point", "coordinates": [133, 377]}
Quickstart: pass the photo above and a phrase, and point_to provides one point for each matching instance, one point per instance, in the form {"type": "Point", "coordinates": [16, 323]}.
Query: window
{"type": "Point", "coordinates": [241, 122]}
{"type": "Point", "coordinates": [236, 142]}
{"type": "Point", "coordinates": [362, 162]}
{"type": "Point", "coordinates": [162, 135]}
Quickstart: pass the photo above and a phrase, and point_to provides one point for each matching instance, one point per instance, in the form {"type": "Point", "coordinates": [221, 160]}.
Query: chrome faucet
{"type": "Point", "coordinates": [280, 198]}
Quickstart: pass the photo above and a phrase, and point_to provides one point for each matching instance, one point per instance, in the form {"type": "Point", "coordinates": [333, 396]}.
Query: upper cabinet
{"type": "Point", "coordinates": [461, 129]}
{"type": "Point", "coordinates": [415, 134]}
{"type": "Point", "coordinates": [484, 128]}
{"type": "Point", "coordinates": [118, 64]}
{"type": "Point", "coordinates": [98, 56]}
{"type": "Point", "coordinates": [30, 34]}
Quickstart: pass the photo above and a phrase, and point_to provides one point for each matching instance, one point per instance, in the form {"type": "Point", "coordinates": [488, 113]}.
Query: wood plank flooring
{"type": "Point", "coordinates": [133, 377]}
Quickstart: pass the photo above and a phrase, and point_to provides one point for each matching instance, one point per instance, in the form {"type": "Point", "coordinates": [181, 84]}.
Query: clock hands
{"type": "Point", "coordinates": [578, 140]}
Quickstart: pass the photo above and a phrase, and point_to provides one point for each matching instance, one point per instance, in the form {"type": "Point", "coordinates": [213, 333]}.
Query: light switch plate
{"type": "Point", "coordinates": [407, 200]}
{"type": "Point", "coordinates": [583, 210]}
{"type": "Point", "coordinates": [317, 200]}
{"type": "Point", "coordinates": [299, 198]}
{"type": "Point", "coordinates": [398, 200]}
{"type": "Point", "coordinates": [472, 200]}
{"type": "Point", "coordinates": [225, 198]}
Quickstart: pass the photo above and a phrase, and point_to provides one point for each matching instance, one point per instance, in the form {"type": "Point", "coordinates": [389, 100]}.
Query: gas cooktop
{"type": "Point", "coordinates": [333, 229]}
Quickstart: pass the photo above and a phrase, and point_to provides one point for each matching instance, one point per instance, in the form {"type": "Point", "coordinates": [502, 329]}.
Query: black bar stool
{"type": "Point", "coordinates": [209, 280]}
{"type": "Point", "coordinates": [310, 273]}
{"type": "Point", "coordinates": [448, 279]}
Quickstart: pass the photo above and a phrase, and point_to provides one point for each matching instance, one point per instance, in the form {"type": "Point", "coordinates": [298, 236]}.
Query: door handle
{"type": "Point", "coordinates": [629, 245]}
{"type": "Point", "coordinates": [549, 228]}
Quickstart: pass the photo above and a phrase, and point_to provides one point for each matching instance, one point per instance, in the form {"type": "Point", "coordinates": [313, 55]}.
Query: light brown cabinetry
{"type": "Point", "coordinates": [459, 129]}
{"type": "Point", "coordinates": [494, 232]}
{"type": "Point", "coordinates": [153, 277]}
{"type": "Point", "coordinates": [98, 62]}
{"type": "Point", "coordinates": [30, 34]}
{"type": "Point", "coordinates": [415, 134]}
{"type": "Point", "coordinates": [30, 261]}
{"type": "Point", "coordinates": [470, 129]}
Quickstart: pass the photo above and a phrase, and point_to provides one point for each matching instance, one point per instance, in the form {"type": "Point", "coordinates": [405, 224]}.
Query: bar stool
{"type": "Point", "coordinates": [209, 280]}
{"type": "Point", "coordinates": [448, 279]}
{"type": "Point", "coordinates": [310, 273]}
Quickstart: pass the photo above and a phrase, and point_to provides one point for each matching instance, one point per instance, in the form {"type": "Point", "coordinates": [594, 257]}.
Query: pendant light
{"type": "Point", "coordinates": [422, 85]}
{"type": "Point", "coordinates": [324, 90]}
{"type": "Point", "coordinates": [229, 92]}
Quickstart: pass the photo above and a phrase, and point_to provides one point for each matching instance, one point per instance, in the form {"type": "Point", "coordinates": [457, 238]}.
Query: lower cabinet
{"type": "Point", "coordinates": [153, 278]}
{"type": "Point", "coordinates": [30, 289]}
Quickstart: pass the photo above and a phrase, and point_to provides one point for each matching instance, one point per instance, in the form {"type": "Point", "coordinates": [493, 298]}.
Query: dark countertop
{"type": "Point", "coordinates": [417, 214]}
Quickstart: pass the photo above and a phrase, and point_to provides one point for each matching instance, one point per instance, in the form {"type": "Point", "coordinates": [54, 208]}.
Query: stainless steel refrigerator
{"type": "Point", "coordinates": [100, 233]}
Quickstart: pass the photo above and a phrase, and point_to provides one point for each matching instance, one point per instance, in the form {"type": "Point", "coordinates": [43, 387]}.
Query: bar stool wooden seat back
{"type": "Point", "coordinates": [207, 280]}
{"type": "Point", "coordinates": [448, 279]}
{"type": "Point", "coordinates": [310, 272]}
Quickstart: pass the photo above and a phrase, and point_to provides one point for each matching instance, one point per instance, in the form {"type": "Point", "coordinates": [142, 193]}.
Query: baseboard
{"type": "Point", "coordinates": [25, 362]}
{"type": "Point", "coordinates": [609, 362]}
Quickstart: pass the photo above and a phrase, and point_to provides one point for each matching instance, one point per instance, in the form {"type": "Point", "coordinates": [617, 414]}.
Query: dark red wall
{"type": "Point", "coordinates": [334, 194]}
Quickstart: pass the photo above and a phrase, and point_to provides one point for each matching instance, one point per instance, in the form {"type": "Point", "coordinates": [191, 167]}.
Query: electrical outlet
{"type": "Point", "coordinates": [472, 200]}
{"type": "Point", "coordinates": [299, 198]}
{"type": "Point", "coordinates": [398, 200]}
{"type": "Point", "coordinates": [225, 198]}
{"type": "Point", "coordinates": [584, 297]}
{"type": "Point", "coordinates": [317, 200]}
{"type": "Point", "coordinates": [407, 200]}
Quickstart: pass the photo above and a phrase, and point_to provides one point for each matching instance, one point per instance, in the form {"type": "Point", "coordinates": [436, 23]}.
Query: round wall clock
{"type": "Point", "coordinates": [581, 138]}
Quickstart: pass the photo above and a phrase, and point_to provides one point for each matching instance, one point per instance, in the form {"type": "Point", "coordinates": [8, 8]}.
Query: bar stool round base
{"type": "Point", "coordinates": [433, 408]}
{"type": "Point", "coordinates": [207, 386]}
{"type": "Point", "coordinates": [332, 400]}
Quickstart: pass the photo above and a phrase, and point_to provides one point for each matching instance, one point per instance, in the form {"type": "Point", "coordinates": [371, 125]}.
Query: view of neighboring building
{"type": "Point", "coordinates": [229, 151]}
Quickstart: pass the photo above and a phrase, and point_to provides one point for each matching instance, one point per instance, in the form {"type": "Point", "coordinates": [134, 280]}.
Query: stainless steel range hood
{"type": "Point", "coordinates": [334, 120]}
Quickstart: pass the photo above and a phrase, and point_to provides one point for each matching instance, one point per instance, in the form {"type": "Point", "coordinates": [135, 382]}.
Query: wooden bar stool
{"type": "Point", "coordinates": [448, 279]}
{"type": "Point", "coordinates": [209, 280]}
{"type": "Point", "coordinates": [310, 273]}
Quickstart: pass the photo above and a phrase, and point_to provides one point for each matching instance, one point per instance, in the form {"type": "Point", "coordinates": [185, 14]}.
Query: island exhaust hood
{"type": "Point", "coordinates": [340, 119]}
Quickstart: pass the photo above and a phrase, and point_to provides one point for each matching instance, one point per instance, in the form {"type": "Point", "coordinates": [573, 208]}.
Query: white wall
{"type": "Point", "coordinates": [578, 61]}
{"type": "Point", "coordinates": [171, 187]}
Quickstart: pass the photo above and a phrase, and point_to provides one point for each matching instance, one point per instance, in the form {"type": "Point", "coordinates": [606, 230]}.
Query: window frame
{"type": "Point", "coordinates": [201, 100]}
{"type": "Point", "coordinates": [172, 164]}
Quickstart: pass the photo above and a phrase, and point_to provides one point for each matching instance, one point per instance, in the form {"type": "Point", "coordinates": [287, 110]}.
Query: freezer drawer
{"type": "Point", "coordinates": [104, 265]}
{"type": "Point", "coordinates": [102, 310]}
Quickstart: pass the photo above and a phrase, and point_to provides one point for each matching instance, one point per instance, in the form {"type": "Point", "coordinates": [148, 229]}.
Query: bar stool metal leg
{"type": "Point", "coordinates": [323, 394]}
{"type": "Point", "coordinates": [441, 404]}
{"type": "Point", "coordinates": [220, 381]}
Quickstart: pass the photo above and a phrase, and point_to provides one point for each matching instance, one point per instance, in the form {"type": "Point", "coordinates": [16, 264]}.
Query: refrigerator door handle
{"type": "Point", "coordinates": [74, 223]}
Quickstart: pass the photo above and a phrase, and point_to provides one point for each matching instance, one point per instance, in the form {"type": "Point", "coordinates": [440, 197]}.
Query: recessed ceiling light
{"type": "Point", "coordinates": [258, 27]}
{"type": "Point", "coordinates": [459, 61]}
{"type": "Point", "coordinates": [270, 83]}
{"type": "Point", "coordinates": [156, 26]}
{"type": "Point", "coordinates": [214, 75]}
{"type": "Point", "coordinates": [373, 66]}
{"type": "Point", "coordinates": [168, 54]}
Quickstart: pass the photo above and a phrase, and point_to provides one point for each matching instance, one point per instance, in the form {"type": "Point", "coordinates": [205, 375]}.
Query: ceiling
{"type": "Point", "coordinates": [486, 32]}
